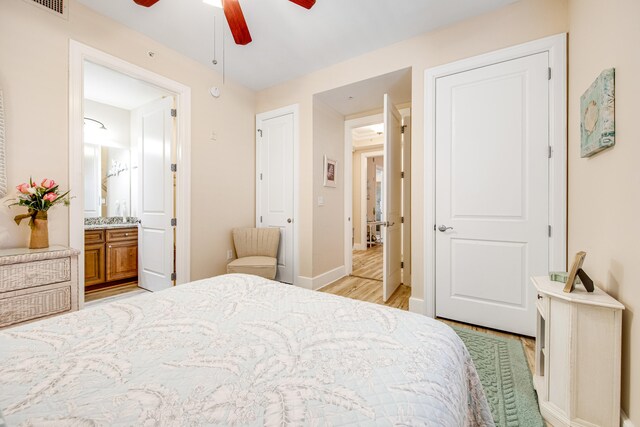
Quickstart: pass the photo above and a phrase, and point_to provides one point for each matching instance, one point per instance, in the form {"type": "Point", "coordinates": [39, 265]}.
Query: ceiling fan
{"type": "Point", "coordinates": [235, 17]}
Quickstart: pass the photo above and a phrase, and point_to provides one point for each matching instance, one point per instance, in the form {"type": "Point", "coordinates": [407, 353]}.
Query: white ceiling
{"type": "Point", "coordinates": [110, 87]}
{"type": "Point", "coordinates": [368, 132]}
{"type": "Point", "coordinates": [368, 95]}
{"type": "Point", "coordinates": [288, 40]}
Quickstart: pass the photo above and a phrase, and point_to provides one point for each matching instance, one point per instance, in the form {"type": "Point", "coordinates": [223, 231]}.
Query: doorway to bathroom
{"type": "Point", "coordinates": [127, 215]}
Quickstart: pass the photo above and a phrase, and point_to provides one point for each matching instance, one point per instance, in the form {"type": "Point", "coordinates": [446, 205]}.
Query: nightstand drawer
{"type": "Point", "coordinates": [35, 305]}
{"type": "Point", "coordinates": [14, 277]}
{"type": "Point", "coordinates": [122, 234]}
{"type": "Point", "coordinates": [542, 304]}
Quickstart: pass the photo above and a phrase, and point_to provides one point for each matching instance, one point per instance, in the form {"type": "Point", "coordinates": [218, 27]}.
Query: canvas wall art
{"type": "Point", "coordinates": [330, 171]}
{"type": "Point", "coordinates": [597, 120]}
{"type": "Point", "coordinates": [3, 165]}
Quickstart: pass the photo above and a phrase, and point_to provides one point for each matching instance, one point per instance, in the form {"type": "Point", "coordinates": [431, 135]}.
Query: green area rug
{"type": "Point", "coordinates": [505, 377]}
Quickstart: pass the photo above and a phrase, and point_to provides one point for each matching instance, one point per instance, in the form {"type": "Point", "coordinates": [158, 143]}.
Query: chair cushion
{"type": "Point", "coordinates": [262, 266]}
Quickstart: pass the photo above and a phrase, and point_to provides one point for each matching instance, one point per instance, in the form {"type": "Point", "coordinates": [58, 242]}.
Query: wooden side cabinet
{"type": "Point", "coordinates": [578, 355]}
{"type": "Point", "coordinates": [111, 255]}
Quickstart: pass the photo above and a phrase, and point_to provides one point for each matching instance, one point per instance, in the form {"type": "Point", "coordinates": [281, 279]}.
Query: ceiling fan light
{"type": "Point", "coordinates": [215, 3]}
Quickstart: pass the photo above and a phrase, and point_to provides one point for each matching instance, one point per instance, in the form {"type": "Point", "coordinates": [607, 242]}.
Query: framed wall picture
{"type": "Point", "coordinates": [597, 115]}
{"type": "Point", "coordinates": [577, 265]}
{"type": "Point", "coordinates": [330, 172]}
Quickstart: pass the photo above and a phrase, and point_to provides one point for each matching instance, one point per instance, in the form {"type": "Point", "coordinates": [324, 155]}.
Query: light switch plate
{"type": "Point", "coordinates": [320, 201]}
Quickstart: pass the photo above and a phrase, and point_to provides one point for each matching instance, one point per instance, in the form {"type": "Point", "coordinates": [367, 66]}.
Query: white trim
{"type": "Point", "coordinates": [320, 281]}
{"type": "Point", "coordinates": [624, 420]}
{"type": "Point", "coordinates": [78, 53]}
{"type": "Point", "coordinates": [295, 111]}
{"type": "Point", "coordinates": [556, 47]}
{"type": "Point", "coordinates": [416, 305]}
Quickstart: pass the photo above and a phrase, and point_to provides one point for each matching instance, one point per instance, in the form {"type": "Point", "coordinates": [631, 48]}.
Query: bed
{"type": "Point", "coordinates": [238, 350]}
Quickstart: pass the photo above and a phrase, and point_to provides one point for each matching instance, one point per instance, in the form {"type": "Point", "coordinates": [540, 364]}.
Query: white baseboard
{"type": "Point", "coordinates": [624, 420]}
{"type": "Point", "coordinates": [304, 282]}
{"type": "Point", "coordinates": [416, 305]}
{"type": "Point", "coordinates": [322, 280]}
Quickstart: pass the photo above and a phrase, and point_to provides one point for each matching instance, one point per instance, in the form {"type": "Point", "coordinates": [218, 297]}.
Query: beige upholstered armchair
{"type": "Point", "coordinates": [257, 250]}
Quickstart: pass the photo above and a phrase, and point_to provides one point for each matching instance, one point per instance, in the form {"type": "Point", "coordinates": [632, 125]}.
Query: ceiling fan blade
{"type": "Point", "coordinates": [307, 4]}
{"type": "Point", "coordinates": [235, 19]}
{"type": "Point", "coordinates": [146, 3]}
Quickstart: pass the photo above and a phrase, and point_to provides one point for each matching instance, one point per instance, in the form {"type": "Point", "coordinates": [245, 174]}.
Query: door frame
{"type": "Point", "coordinates": [349, 125]}
{"type": "Point", "coordinates": [293, 109]}
{"type": "Point", "coordinates": [78, 53]}
{"type": "Point", "coordinates": [556, 46]}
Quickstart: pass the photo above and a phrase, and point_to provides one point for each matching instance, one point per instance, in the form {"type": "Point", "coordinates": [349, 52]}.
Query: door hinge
{"type": "Point", "coordinates": [174, 222]}
{"type": "Point", "coordinates": [260, 132]}
{"type": "Point", "coordinates": [401, 174]}
{"type": "Point", "coordinates": [174, 276]}
{"type": "Point", "coordinates": [260, 176]}
{"type": "Point", "coordinates": [402, 220]}
{"type": "Point", "coordinates": [549, 230]}
{"type": "Point", "coordinates": [402, 128]}
{"type": "Point", "coordinates": [174, 167]}
{"type": "Point", "coordinates": [260, 219]}
{"type": "Point", "coordinates": [401, 264]}
{"type": "Point", "coordinates": [550, 151]}
{"type": "Point", "coordinates": [549, 74]}
{"type": "Point", "coordinates": [174, 112]}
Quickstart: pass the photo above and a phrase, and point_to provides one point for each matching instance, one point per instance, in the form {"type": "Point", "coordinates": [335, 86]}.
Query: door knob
{"type": "Point", "coordinates": [388, 224]}
{"type": "Point", "coordinates": [289, 220]}
{"type": "Point", "coordinates": [444, 228]}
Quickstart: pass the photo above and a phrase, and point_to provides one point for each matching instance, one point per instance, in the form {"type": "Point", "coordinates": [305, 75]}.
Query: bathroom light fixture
{"type": "Point", "coordinates": [102, 126]}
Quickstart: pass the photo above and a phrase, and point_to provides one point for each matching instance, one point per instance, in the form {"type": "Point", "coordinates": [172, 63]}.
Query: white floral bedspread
{"type": "Point", "coordinates": [238, 350]}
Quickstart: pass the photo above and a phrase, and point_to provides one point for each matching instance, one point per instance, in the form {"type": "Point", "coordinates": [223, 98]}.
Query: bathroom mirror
{"type": "Point", "coordinates": [107, 187]}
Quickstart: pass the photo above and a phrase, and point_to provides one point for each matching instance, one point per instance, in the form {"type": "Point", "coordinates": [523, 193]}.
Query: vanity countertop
{"type": "Point", "coordinates": [111, 226]}
{"type": "Point", "coordinates": [108, 223]}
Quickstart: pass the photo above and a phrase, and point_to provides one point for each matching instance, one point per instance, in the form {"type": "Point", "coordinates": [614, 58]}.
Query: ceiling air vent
{"type": "Point", "coordinates": [59, 7]}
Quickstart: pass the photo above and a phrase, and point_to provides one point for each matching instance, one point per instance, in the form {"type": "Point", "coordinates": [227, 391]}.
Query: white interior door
{"type": "Point", "coordinates": [492, 187]}
{"type": "Point", "coordinates": [152, 125]}
{"type": "Point", "coordinates": [275, 184]}
{"type": "Point", "coordinates": [392, 231]}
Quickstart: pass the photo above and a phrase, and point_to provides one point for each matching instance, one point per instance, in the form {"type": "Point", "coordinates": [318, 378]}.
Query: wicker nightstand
{"type": "Point", "coordinates": [37, 283]}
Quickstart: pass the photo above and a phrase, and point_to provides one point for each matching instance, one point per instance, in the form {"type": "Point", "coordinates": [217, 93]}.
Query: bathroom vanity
{"type": "Point", "coordinates": [110, 255]}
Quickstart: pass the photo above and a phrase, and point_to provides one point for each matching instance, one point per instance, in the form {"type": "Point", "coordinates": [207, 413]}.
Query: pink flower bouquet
{"type": "Point", "coordinates": [38, 199]}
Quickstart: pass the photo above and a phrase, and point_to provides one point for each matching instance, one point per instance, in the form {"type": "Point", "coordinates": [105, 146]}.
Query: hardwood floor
{"type": "Point", "coordinates": [371, 291]}
{"type": "Point", "coordinates": [368, 263]}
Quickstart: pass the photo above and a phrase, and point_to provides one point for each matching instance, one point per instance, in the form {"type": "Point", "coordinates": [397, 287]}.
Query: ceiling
{"type": "Point", "coordinates": [368, 95]}
{"type": "Point", "coordinates": [110, 87]}
{"type": "Point", "coordinates": [368, 132]}
{"type": "Point", "coordinates": [288, 41]}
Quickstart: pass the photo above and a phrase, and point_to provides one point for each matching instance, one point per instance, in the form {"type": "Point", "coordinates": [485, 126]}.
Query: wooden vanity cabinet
{"type": "Point", "coordinates": [111, 255]}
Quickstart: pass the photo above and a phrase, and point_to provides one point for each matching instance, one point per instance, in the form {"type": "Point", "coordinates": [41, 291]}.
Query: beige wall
{"type": "Point", "coordinates": [34, 58]}
{"type": "Point", "coordinates": [520, 22]}
{"type": "Point", "coordinates": [357, 190]}
{"type": "Point", "coordinates": [604, 191]}
{"type": "Point", "coordinates": [328, 239]}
